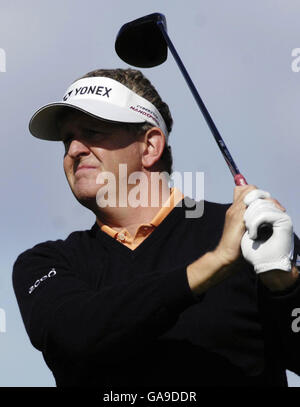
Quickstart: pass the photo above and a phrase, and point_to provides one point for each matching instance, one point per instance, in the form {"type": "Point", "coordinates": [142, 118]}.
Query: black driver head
{"type": "Point", "coordinates": [141, 43]}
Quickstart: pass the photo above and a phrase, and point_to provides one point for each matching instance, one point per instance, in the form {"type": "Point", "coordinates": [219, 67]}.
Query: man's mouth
{"type": "Point", "coordinates": [84, 168]}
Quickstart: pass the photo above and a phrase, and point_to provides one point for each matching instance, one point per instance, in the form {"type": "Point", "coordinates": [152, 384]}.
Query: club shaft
{"type": "Point", "coordinates": [265, 230]}
{"type": "Point", "coordinates": [222, 146]}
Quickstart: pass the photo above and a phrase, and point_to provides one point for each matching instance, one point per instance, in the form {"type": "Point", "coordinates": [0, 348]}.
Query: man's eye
{"type": "Point", "coordinates": [87, 134]}
{"type": "Point", "coordinates": [93, 134]}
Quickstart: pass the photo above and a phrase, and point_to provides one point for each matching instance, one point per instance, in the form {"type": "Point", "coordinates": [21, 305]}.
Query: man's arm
{"type": "Point", "coordinates": [66, 316]}
{"type": "Point", "coordinates": [226, 258]}
{"type": "Point", "coordinates": [278, 290]}
{"type": "Point", "coordinates": [279, 280]}
{"type": "Point", "coordinates": [279, 303]}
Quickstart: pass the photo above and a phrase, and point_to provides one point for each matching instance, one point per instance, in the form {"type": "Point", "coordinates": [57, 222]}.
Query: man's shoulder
{"type": "Point", "coordinates": [217, 206]}
{"type": "Point", "coordinates": [60, 248]}
{"type": "Point", "coordinates": [203, 210]}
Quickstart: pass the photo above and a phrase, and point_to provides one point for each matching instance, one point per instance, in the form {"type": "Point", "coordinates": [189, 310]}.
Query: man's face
{"type": "Point", "coordinates": [92, 147]}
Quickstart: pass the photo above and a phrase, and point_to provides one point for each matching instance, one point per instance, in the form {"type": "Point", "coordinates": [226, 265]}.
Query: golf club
{"type": "Point", "coordinates": [144, 43]}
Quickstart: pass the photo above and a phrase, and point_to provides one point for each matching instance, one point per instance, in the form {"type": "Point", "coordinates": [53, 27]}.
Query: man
{"type": "Point", "coordinates": [149, 296]}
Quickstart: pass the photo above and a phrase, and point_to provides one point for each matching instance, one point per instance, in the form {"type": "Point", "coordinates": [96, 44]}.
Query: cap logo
{"type": "Point", "coordinates": [88, 90]}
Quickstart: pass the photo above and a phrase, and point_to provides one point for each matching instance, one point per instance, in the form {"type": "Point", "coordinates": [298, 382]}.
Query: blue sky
{"type": "Point", "coordinates": [239, 55]}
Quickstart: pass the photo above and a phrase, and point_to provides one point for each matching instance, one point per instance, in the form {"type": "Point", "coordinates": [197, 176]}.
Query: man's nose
{"type": "Point", "coordinates": [77, 148]}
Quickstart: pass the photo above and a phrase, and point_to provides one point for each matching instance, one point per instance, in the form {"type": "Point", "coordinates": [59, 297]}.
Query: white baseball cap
{"type": "Point", "coordinates": [102, 98]}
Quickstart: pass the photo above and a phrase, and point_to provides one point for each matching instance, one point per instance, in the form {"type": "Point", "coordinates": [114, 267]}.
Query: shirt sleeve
{"type": "Point", "coordinates": [279, 311]}
{"type": "Point", "coordinates": [62, 314]}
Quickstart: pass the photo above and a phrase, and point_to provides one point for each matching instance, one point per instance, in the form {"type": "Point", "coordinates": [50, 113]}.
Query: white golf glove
{"type": "Point", "coordinates": [277, 251]}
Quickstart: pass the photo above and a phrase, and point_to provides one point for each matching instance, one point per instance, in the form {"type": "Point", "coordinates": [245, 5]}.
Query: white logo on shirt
{"type": "Point", "coordinates": [51, 273]}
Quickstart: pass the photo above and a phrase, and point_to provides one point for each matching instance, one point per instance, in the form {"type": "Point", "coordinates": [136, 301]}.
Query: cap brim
{"type": "Point", "coordinates": [43, 123]}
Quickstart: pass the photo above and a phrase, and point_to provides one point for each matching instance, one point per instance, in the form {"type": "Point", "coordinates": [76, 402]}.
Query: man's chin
{"type": "Point", "coordinates": [86, 199]}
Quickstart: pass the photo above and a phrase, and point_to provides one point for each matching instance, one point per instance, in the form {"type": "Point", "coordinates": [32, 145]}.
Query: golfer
{"type": "Point", "coordinates": [150, 295]}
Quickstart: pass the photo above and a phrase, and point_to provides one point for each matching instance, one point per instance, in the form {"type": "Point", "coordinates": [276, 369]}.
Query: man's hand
{"type": "Point", "coordinates": [277, 251]}
{"type": "Point", "coordinates": [229, 247]}
{"type": "Point", "coordinates": [225, 260]}
{"type": "Point", "coordinates": [272, 258]}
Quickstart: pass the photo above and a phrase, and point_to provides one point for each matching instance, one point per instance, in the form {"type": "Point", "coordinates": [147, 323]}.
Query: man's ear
{"type": "Point", "coordinates": [154, 140]}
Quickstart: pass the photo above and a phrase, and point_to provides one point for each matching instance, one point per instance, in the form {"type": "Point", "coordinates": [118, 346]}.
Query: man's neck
{"type": "Point", "coordinates": [129, 217]}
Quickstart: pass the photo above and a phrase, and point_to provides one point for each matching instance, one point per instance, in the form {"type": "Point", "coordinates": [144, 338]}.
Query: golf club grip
{"type": "Point", "coordinates": [265, 230]}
